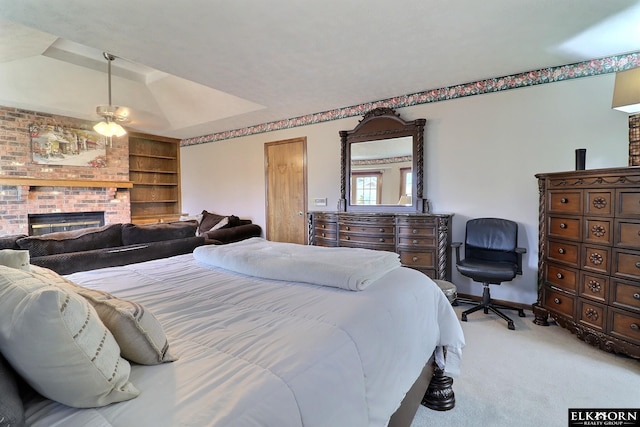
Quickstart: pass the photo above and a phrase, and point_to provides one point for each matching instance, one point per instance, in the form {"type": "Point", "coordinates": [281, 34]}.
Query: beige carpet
{"type": "Point", "coordinates": [531, 376]}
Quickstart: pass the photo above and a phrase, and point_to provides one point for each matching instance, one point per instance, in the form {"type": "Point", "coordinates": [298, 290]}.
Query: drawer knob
{"type": "Point", "coordinates": [591, 314]}
{"type": "Point", "coordinates": [598, 230]}
{"type": "Point", "coordinates": [597, 259]}
{"type": "Point", "coordinates": [347, 228]}
{"type": "Point", "coordinates": [559, 276]}
{"type": "Point", "coordinates": [415, 258]}
{"type": "Point", "coordinates": [600, 203]}
{"type": "Point", "coordinates": [636, 296]}
{"type": "Point", "coordinates": [323, 235]}
{"type": "Point", "coordinates": [381, 240]}
{"type": "Point", "coordinates": [561, 251]}
{"type": "Point", "coordinates": [414, 231]}
{"type": "Point", "coordinates": [381, 230]}
{"type": "Point", "coordinates": [556, 300]}
{"type": "Point", "coordinates": [635, 327]}
{"type": "Point", "coordinates": [563, 200]}
{"type": "Point", "coordinates": [595, 286]}
{"type": "Point", "coordinates": [563, 225]}
{"type": "Point", "coordinates": [637, 264]}
{"type": "Point", "coordinates": [348, 238]}
{"type": "Point", "coordinates": [415, 242]}
{"type": "Point", "coordinates": [323, 226]}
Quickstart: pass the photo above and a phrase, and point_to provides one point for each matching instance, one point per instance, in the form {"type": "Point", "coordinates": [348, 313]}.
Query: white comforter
{"type": "Point", "coordinates": [270, 353]}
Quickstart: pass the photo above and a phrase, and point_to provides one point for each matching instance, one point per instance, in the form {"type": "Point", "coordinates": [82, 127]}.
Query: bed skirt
{"type": "Point", "coordinates": [403, 417]}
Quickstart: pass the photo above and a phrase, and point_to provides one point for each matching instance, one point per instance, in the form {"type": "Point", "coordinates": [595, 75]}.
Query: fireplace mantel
{"type": "Point", "coordinates": [41, 182]}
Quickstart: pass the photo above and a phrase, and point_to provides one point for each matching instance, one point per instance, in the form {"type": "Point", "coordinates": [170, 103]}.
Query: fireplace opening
{"type": "Point", "coordinates": [53, 222]}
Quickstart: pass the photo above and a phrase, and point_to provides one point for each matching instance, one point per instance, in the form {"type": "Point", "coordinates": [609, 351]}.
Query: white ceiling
{"type": "Point", "coordinates": [191, 68]}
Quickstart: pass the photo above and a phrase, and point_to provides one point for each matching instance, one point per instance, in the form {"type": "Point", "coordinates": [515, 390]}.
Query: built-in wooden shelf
{"type": "Point", "coordinates": [154, 169]}
{"type": "Point", "coordinates": [41, 182]}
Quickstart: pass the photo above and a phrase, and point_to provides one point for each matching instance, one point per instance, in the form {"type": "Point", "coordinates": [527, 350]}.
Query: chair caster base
{"type": "Point", "coordinates": [463, 317]}
{"type": "Point", "coordinates": [511, 326]}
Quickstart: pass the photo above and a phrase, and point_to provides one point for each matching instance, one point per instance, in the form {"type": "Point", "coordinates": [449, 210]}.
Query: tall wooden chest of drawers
{"type": "Point", "coordinates": [421, 240]}
{"type": "Point", "coordinates": [589, 265]}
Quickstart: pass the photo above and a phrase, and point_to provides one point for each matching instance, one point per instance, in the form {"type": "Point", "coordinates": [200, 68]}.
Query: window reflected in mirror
{"type": "Point", "coordinates": [381, 172]}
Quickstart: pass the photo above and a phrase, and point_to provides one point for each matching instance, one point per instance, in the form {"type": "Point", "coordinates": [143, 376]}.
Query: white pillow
{"type": "Point", "coordinates": [137, 331]}
{"type": "Point", "coordinates": [15, 258]}
{"type": "Point", "coordinates": [55, 340]}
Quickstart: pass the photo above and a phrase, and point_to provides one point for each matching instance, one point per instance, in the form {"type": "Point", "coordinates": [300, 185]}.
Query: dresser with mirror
{"type": "Point", "coordinates": [382, 205]}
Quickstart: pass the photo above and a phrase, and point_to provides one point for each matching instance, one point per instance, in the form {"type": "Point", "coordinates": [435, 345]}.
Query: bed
{"type": "Point", "coordinates": [270, 351]}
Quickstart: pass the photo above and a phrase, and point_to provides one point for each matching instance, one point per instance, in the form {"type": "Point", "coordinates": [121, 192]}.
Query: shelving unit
{"type": "Point", "coordinates": [154, 169]}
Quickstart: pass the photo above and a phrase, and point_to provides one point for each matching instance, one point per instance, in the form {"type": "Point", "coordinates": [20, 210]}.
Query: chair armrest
{"type": "Point", "coordinates": [456, 246]}
{"type": "Point", "coordinates": [520, 251]}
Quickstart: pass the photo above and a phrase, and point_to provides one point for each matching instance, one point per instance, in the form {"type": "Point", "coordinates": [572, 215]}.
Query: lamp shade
{"type": "Point", "coordinates": [109, 129]}
{"type": "Point", "coordinates": [626, 92]}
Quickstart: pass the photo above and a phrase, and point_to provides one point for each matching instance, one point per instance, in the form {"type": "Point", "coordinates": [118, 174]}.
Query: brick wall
{"type": "Point", "coordinates": [17, 201]}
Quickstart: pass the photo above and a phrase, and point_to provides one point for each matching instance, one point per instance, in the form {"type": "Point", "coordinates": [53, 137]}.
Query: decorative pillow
{"type": "Point", "coordinates": [136, 330]}
{"type": "Point", "coordinates": [55, 340]}
{"type": "Point", "coordinates": [11, 408]}
{"type": "Point", "coordinates": [134, 234]}
{"type": "Point", "coordinates": [15, 258]}
{"type": "Point", "coordinates": [84, 239]}
{"type": "Point", "coordinates": [209, 220]}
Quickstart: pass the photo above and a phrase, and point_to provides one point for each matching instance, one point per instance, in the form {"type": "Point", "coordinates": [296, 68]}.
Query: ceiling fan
{"type": "Point", "coordinates": [113, 115]}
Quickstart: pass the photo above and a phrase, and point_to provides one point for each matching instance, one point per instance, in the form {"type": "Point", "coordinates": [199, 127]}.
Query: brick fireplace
{"type": "Point", "coordinates": [27, 187]}
{"type": "Point", "coordinates": [18, 202]}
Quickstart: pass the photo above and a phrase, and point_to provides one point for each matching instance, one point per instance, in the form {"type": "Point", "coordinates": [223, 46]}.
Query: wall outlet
{"type": "Point", "coordinates": [320, 201]}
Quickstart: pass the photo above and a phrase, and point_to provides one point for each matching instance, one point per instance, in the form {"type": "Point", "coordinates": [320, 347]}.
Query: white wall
{"type": "Point", "coordinates": [482, 153]}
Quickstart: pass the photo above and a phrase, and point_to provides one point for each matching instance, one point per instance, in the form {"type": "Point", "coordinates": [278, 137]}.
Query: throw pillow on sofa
{"type": "Point", "coordinates": [61, 242]}
{"type": "Point", "coordinates": [211, 221]}
{"type": "Point", "coordinates": [15, 258]}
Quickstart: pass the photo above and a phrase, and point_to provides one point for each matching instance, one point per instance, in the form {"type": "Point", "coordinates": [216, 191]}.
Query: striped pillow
{"type": "Point", "coordinates": [137, 331]}
{"type": "Point", "coordinates": [55, 340]}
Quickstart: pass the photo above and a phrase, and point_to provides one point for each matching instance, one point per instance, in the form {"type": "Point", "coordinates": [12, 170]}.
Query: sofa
{"type": "Point", "coordinates": [117, 244]}
{"type": "Point", "coordinates": [111, 245]}
{"type": "Point", "coordinates": [221, 229]}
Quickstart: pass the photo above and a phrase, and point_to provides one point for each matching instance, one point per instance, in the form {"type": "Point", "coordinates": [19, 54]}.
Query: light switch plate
{"type": "Point", "coordinates": [320, 201]}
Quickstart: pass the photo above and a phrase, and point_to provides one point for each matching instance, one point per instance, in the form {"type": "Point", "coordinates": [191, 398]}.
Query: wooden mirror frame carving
{"type": "Point", "coordinates": [377, 124]}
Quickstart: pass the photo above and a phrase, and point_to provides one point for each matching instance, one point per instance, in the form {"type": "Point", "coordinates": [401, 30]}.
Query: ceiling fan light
{"type": "Point", "coordinates": [116, 129]}
{"type": "Point", "coordinates": [108, 128]}
{"type": "Point", "coordinates": [110, 113]}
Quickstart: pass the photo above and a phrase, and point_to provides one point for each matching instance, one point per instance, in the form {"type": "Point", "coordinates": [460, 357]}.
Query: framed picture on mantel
{"type": "Point", "coordinates": [58, 145]}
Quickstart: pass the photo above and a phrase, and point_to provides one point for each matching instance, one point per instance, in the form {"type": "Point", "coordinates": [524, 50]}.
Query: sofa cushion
{"type": "Point", "coordinates": [61, 242]}
{"type": "Point", "coordinates": [57, 343]}
{"type": "Point", "coordinates": [137, 331]}
{"type": "Point", "coordinates": [14, 258]}
{"type": "Point", "coordinates": [9, 242]}
{"type": "Point", "coordinates": [133, 234]}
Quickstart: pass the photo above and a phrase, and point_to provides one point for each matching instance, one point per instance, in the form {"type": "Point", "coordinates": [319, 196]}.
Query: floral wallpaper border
{"type": "Point", "coordinates": [589, 68]}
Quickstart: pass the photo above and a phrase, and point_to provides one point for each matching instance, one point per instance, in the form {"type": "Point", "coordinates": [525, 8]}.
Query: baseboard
{"type": "Point", "coordinates": [462, 298]}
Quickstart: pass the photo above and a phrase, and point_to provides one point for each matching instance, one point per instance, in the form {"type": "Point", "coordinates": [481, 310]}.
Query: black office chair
{"type": "Point", "coordinates": [491, 256]}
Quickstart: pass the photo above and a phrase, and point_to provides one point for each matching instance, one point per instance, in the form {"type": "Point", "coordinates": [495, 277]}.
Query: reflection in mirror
{"type": "Point", "coordinates": [382, 162]}
{"type": "Point", "coordinates": [381, 172]}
